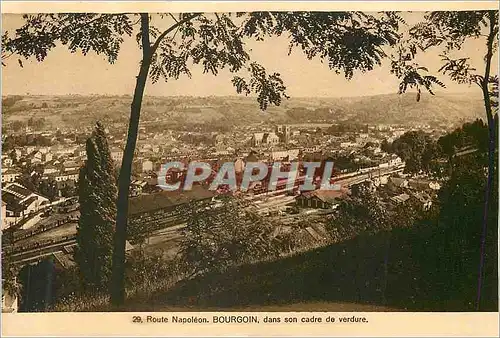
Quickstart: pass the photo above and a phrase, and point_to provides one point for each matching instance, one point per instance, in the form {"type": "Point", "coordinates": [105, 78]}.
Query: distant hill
{"type": "Point", "coordinates": [443, 108]}
{"type": "Point", "coordinates": [404, 109]}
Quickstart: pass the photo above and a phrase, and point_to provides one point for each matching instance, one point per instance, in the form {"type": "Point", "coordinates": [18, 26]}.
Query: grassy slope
{"type": "Point", "coordinates": [348, 276]}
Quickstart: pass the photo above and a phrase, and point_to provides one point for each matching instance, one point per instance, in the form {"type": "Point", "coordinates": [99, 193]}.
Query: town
{"type": "Point", "coordinates": [40, 172]}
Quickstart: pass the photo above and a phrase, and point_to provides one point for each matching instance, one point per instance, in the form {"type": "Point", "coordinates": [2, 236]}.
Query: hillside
{"type": "Point", "coordinates": [346, 276]}
{"type": "Point", "coordinates": [60, 111]}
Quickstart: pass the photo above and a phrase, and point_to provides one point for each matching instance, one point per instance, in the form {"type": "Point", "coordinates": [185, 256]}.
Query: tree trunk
{"type": "Point", "coordinates": [117, 288]}
{"type": "Point", "coordinates": [388, 237]}
{"type": "Point", "coordinates": [491, 151]}
{"type": "Point", "coordinates": [118, 274]}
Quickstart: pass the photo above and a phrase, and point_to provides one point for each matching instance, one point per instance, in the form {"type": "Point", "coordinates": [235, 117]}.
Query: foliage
{"type": "Point", "coordinates": [9, 275]}
{"type": "Point", "coordinates": [345, 162]}
{"type": "Point", "coordinates": [97, 198]}
{"type": "Point", "coordinates": [446, 31]}
{"type": "Point", "coordinates": [36, 123]}
{"type": "Point", "coordinates": [348, 41]}
{"type": "Point", "coordinates": [225, 234]}
{"type": "Point", "coordinates": [69, 190]}
{"type": "Point", "coordinates": [48, 188]}
{"type": "Point", "coordinates": [449, 31]}
{"type": "Point", "coordinates": [385, 146]}
{"type": "Point", "coordinates": [470, 134]}
{"type": "Point", "coordinates": [22, 140]}
{"type": "Point", "coordinates": [459, 240]}
{"type": "Point", "coordinates": [417, 149]}
{"type": "Point", "coordinates": [10, 100]}
{"type": "Point", "coordinates": [366, 212]}
{"type": "Point", "coordinates": [363, 212]}
{"type": "Point", "coordinates": [146, 272]}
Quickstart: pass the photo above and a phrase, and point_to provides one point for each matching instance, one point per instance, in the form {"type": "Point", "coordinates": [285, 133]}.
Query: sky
{"type": "Point", "coordinates": [65, 73]}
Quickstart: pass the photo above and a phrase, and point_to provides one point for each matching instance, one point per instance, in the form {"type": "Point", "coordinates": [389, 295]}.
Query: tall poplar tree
{"type": "Point", "coordinates": [97, 196]}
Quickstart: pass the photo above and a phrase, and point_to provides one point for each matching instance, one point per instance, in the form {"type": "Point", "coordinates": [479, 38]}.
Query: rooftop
{"type": "Point", "coordinates": [17, 190]}
{"type": "Point", "coordinates": [166, 199]}
{"type": "Point", "coordinates": [327, 195]}
{"type": "Point", "coordinates": [400, 198]}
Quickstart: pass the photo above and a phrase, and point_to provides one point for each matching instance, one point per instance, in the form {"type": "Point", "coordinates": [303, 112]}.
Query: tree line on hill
{"type": "Point", "coordinates": [424, 154]}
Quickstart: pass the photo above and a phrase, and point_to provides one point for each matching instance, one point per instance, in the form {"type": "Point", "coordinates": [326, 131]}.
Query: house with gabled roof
{"type": "Point", "coordinates": [21, 201]}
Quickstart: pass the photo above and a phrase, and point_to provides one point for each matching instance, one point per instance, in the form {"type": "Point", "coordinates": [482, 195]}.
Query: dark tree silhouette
{"type": "Point", "coordinates": [417, 149]}
{"type": "Point", "coordinates": [448, 32]}
{"type": "Point", "coordinates": [97, 198]}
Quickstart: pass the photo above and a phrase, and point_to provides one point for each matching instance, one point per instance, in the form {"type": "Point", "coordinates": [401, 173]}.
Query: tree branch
{"type": "Point", "coordinates": [7, 56]}
{"type": "Point", "coordinates": [173, 17]}
{"type": "Point", "coordinates": [135, 23]}
{"type": "Point", "coordinates": [170, 29]}
{"type": "Point", "coordinates": [487, 70]}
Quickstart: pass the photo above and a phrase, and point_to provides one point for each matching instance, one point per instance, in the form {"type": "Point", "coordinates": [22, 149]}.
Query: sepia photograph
{"type": "Point", "coordinates": [250, 161]}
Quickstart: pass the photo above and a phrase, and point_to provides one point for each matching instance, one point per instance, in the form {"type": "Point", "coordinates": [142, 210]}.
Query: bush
{"type": "Point", "coordinates": [224, 234]}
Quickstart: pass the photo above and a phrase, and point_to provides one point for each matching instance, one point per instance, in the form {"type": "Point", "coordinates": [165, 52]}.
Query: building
{"type": "Point", "coordinates": [424, 199]}
{"type": "Point", "coordinates": [20, 201]}
{"type": "Point", "coordinates": [283, 132]}
{"type": "Point", "coordinates": [47, 157]}
{"type": "Point", "coordinates": [71, 166]}
{"type": "Point", "coordinates": [80, 152]}
{"type": "Point", "coordinates": [257, 139]}
{"type": "Point", "coordinates": [147, 165]}
{"type": "Point", "coordinates": [320, 199]}
{"type": "Point", "coordinates": [30, 149]}
{"type": "Point", "coordinates": [10, 175]}
{"type": "Point", "coordinates": [396, 182]}
{"type": "Point", "coordinates": [50, 169]}
{"type": "Point", "coordinates": [18, 153]}
{"type": "Point", "coordinates": [164, 209]}
{"type": "Point", "coordinates": [290, 155]}
{"type": "Point", "coordinates": [36, 157]}
{"type": "Point", "coordinates": [7, 161]}
{"type": "Point", "coordinates": [4, 214]}
{"type": "Point", "coordinates": [401, 198]}
{"type": "Point", "coordinates": [395, 160]}
{"type": "Point", "coordinates": [117, 156]}
{"type": "Point", "coordinates": [423, 185]}
{"type": "Point", "coordinates": [137, 187]}
{"type": "Point", "coordinates": [270, 139]}
{"type": "Point", "coordinates": [218, 140]}
{"type": "Point", "coordinates": [70, 175]}
{"type": "Point", "coordinates": [260, 139]}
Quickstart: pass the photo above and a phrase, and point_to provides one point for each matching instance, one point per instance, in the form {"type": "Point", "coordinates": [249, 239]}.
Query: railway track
{"type": "Point", "coordinates": [37, 253]}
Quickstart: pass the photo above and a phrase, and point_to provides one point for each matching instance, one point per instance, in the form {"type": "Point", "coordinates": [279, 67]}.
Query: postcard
{"type": "Point", "coordinates": [250, 168]}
